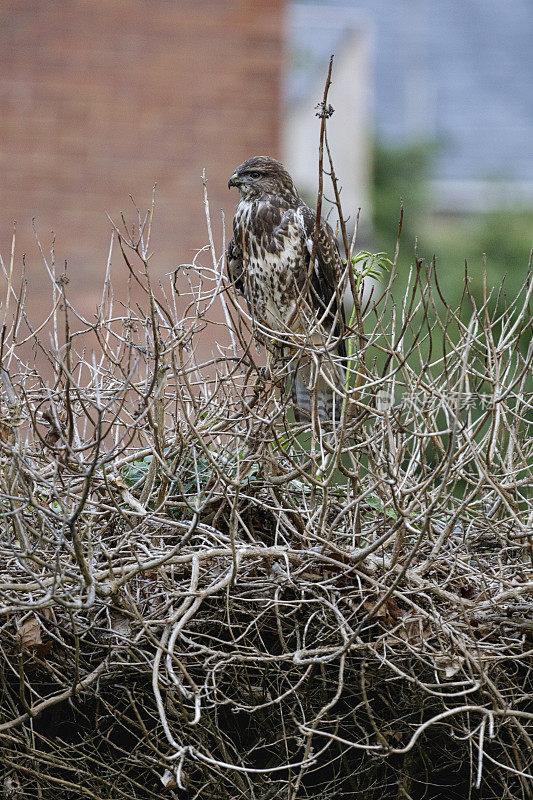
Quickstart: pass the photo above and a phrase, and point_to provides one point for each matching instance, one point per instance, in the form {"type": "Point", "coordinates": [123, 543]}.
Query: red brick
{"type": "Point", "coordinates": [100, 100]}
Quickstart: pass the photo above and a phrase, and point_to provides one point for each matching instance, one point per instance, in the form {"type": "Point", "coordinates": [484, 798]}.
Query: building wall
{"type": "Point", "coordinates": [100, 100]}
{"type": "Point", "coordinates": [349, 129]}
{"type": "Point", "coordinates": [451, 72]}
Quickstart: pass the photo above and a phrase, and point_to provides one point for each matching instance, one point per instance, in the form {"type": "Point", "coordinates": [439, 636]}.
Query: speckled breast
{"type": "Point", "coordinates": [272, 263]}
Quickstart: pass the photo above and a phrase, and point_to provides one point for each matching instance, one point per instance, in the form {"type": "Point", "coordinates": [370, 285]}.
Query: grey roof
{"type": "Point", "coordinates": [460, 71]}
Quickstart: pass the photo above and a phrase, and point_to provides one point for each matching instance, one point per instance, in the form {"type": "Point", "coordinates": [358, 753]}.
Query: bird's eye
{"type": "Point", "coordinates": [255, 175]}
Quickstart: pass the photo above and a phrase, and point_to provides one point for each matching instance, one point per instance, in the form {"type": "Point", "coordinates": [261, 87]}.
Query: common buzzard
{"type": "Point", "coordinates": [294, 308]}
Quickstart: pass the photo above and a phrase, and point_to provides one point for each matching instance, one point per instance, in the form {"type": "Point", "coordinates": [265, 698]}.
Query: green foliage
{"type": "Point", "coordinates": [378, 505]}
{"type": "Point", "coordinates": [369, 265]}
{"type": "Point", "coordinates": [400, 173]}
{"type": "Point", "coordinates": [505, 236]}
{"type": "Point", "coordinates": [364, 265]}
{"type": "Point", "coordinates": [134, 473]}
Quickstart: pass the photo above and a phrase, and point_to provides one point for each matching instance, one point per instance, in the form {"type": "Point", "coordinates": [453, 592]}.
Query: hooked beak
{"type": "Point", "coordinates": [234, 181]}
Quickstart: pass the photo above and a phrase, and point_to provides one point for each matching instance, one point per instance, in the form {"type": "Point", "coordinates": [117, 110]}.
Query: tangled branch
{"type": "Point", "coordinates": [200, 597]}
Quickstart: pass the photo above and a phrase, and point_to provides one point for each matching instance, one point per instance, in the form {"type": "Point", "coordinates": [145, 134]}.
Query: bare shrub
{"type": "Point", "coordinates": [202, 598]}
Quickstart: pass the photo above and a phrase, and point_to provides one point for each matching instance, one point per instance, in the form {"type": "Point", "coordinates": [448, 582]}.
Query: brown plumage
{"type": "Point", "coordinates": [296, 308]}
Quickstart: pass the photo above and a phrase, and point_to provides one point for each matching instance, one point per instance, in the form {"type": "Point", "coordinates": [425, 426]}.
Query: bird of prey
{"type": "Point", "coordinates": [295, 307]}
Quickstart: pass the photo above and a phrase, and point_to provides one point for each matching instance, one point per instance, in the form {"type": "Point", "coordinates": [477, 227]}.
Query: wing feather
{"type": "Point", "coordinates": [235, 265]}
{"type": "Point", "coordinates": [282, 228]}
{"type": "Point", "coordinates": [326, 277]}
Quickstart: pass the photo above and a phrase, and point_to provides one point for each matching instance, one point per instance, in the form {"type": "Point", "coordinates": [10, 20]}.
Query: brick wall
{"type": "Point", "coordinates": [102, 99]}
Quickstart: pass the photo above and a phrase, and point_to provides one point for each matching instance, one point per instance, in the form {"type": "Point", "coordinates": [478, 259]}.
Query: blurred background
{"type": "Point", "coordinates": [100, 100]}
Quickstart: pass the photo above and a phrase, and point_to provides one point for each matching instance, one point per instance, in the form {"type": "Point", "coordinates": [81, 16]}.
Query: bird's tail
{"type": "Point", "coordinates": [313, 394]}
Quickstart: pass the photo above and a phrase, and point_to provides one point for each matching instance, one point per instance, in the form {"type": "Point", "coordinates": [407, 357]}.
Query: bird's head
{"type": "Point", "coordinates": [262, 175]}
